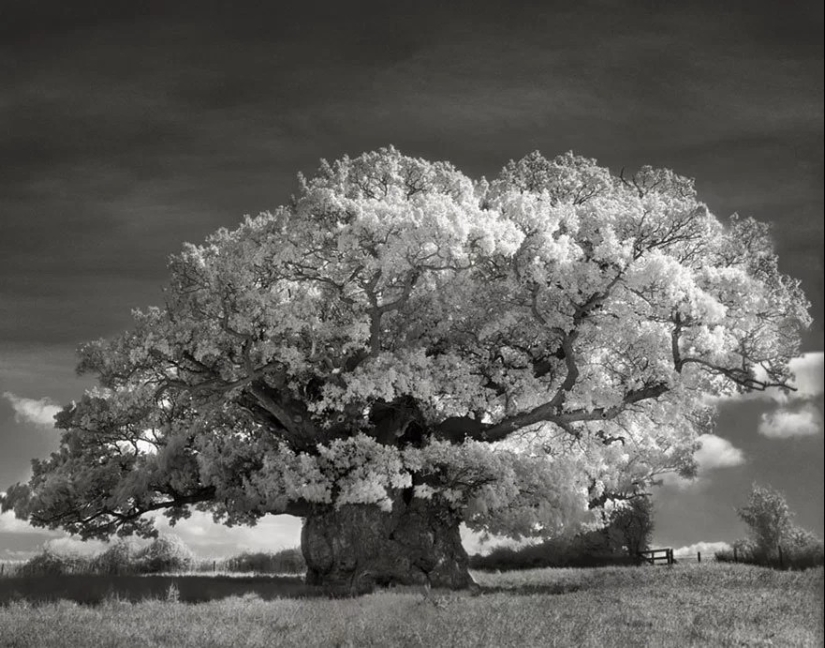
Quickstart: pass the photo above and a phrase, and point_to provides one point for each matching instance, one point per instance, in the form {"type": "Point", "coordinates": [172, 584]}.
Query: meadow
{"type": "Point", "coordinates": [711, 604]}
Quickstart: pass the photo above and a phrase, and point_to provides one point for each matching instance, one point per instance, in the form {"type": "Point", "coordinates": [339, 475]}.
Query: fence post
{"type": "Point", "coordinates": [781, 561]}
{"type": "Point", "coordinates": [735, 559]}
{"type": "Point", "coordinates": [699, 556]}
{"type": "Point", "coordinates": [214, 565]}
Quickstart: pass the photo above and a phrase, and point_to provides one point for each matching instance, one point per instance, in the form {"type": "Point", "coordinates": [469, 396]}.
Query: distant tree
{"type": "Point", "coordinates": [770, 522]}
{"type": "Point", "coordinates": [631, 526]}
{"type": "Point", "coordinates": [400, 349]}
{"type": "Point", "coordinates": [165, 554]}
{"type": "Point", "coordinates": [768, 516]}
{"type": "Point", "coordinates": [118, 558]}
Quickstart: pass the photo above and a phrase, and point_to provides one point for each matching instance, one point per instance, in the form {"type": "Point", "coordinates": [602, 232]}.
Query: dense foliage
{"type": "Point", "coordinates": [774, 538]}
{"type": "Point", "coordinates": [627, 531]}
{"type": "Point", "coordinates": [523, 351]}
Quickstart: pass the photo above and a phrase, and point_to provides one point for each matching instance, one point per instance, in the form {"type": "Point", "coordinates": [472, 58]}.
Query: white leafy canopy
{"type": "Point", "coordinates": [523, 350]}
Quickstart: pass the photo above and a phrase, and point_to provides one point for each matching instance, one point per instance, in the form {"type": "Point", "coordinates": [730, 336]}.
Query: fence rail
{"type": "Point", "coordinates": [653, 556]}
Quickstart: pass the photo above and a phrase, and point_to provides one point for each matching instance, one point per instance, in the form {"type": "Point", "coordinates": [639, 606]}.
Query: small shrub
{"type": "Point", "coordinates": [49, 563]}
{"type": "Point", "coordinates": [807, 556]}
{"type": "Point", "coordinates": [119, 559]}
{"type": "Point", "coordinates": [808, 551]}
{"type": "Point", "coordinates": [165, 554]}
{"type": "Point", "coordinates": [172, 594]}
{"type": "Point", "coordinates": [552, 553]}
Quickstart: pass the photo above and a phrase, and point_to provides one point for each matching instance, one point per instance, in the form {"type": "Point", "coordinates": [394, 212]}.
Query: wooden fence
{"type": "Point", "coordinates": [652, 556]}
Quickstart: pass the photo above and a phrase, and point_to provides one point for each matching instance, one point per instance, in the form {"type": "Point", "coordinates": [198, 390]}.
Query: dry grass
{"type": "Point", "coordinates": [707, 605]}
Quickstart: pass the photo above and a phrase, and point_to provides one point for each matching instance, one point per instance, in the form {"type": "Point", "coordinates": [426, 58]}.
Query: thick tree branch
{"type": "Point", "coordinates": [115, 518]}
{"type": "Point", "coordinates": [456, 429]}
{"type": "Point", "coordinates": [675, 335]}
{"type": "Point", "coordinates": [738, 375]}
{"type": "Point", "coordinates": [568, 339]}
{"type": "Point", "coordinates": [291, 415]}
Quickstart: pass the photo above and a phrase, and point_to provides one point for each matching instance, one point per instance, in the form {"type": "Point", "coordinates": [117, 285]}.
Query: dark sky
{"type": "Point", "coordinates": [128, 128]}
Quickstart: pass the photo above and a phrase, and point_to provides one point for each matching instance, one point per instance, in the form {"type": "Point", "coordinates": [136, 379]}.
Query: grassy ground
{"type": "Point", "coordinates": [704, 605]}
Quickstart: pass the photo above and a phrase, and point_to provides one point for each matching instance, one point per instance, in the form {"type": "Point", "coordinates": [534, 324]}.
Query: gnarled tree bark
{"type": "Point", "coordinates": [356, 547]}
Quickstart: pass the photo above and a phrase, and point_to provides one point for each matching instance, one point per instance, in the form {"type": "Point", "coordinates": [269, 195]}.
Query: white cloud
{"type": "Point", "coordinates": [11, 524]}
{"type": "Point", "coordinates": [209, 540]}
{"type": "Point", "coordinates": [794, 414]}
{"type": "Point", "coordinates": [808, 382]}
{"type": "Point", "coordinates": [69, 545]}
{"type": "Point", "coordinates": [785, 422]}
{"type": "Point", "coordinates": [30, 410]}
{"type": "Point", "coordinates": [717, 452]}
{"type": "Point", "coordinates": [807, 370]}
{"type": "Point", "coordinates": [707, 549]}
{"type": "Point", "coordinates": [15, 555]}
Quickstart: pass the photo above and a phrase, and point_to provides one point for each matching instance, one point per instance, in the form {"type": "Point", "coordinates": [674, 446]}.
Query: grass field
{"type": "Point", "coordinates": [701, 605]}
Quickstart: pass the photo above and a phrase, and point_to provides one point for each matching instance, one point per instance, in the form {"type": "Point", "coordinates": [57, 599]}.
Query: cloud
{"type": "Point", "coordinates": [809, 370]}
{"type": "Point", "coordinates": [784, 422]}
{"type": "Point", "coordinates": [210, 540]}
{"type": "Point", "coordinates": [717, 452]}
{"type": "Point", "coordinates": [793, 414]}
{"type": "Point", "coordinates": [706, 548]}
{"type": "Point", "coordinates": [29, 410]}
{"type": "Point", "coordinates": [206, 538]}
{"type": "Point", "coordinates": [10, 524]}
{"type": "Point", "coordinates": [808, 382]}
{"type": "Point", "coordinates": [74, 546]}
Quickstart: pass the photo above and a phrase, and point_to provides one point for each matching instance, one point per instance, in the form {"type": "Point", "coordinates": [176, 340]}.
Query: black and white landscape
{"type": "Point", "coordinates": [419, 296]}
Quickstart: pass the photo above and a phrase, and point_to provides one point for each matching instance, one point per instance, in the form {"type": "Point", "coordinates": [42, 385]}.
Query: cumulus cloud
{"type": "Point", "coordinates": [210, 540]}
{"type": "Point", "coordinates": [14, 532]}
{"type": "Point", "coordinates": [809, 379]}
{"type": "Point", "coordinates": [30, 410]}
{"type": "Point", "coordinates": [706, 548]}
{"type": "Point", "coordinates": [206, 538]}
{"type": "Point", "coordinates": [785, 422]}
{"type": "Point", "coordinates": [794, 414]}
{"type": "Point", "coordinates": [68, 545]}
{"type": "Point", "coordinates": [717, 452]}
{"type": "Point", "coordinates": [808, 382]}
{"type": "Point", "coordinates": [15, 555]}
{"type": "Point", "coordinates": [10, 524]}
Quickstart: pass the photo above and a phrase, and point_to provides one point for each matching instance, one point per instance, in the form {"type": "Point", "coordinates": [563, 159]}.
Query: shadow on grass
{"type": "Point", "coordinates": [94, 589]}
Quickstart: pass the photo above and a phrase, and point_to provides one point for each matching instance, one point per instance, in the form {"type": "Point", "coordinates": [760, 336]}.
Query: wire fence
{"type": "Point", "coordinates": [11, 567]}
{"type": "Point", "coordinates": [780, 558]}
{"type": "Point", "coordinates": [281, 564]}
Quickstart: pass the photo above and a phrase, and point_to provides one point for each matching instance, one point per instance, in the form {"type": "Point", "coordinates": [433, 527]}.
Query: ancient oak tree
{"type": "Point", "coordinates": [401, 349]}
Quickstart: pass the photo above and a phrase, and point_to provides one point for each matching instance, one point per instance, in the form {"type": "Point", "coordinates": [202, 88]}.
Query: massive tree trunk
{"type": "Point", "coordinates": [354, 548]}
